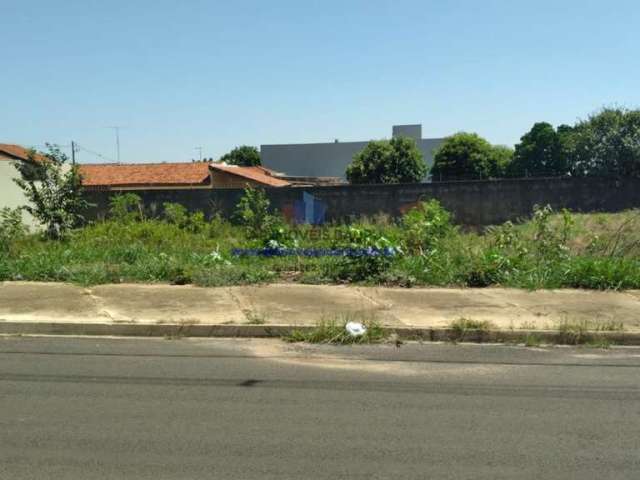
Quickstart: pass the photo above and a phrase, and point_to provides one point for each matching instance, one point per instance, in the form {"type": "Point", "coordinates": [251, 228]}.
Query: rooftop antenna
{"type": "Point", "coordinates": [199, 150]}
{"type": "Point", "coordinates": [117, 130]}
{"type": "Point", "coordinates": [73, 153]}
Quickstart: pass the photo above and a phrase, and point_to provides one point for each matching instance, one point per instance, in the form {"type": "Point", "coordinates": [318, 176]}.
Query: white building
{"type": "Point", "coordinates": [331, 159]}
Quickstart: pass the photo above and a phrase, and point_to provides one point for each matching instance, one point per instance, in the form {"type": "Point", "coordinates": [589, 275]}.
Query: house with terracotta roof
{"type": "Point", "coordinates": [233, 176]}
{"type": "Point", "coordinates": [163, 176]}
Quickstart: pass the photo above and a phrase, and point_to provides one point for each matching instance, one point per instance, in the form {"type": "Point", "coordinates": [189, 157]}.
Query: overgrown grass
{"type": "Point", "coordinates": [581, 331]}
{"type": "Point", "coordinates": [551, 250]}
{"type": "Point", "coordinates": [464, 329]}
{"type": "Point", "coordinates": [334, 331]}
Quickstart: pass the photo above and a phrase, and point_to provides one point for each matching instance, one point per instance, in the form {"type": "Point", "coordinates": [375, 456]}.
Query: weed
{"type": "Point", "coordinates": [532, 340]}
{"type": "Point", "coordinates": [254, 318]}
{"type": "Point", "coordinates": [334, 331]}
{"type": "Point", "coordinates": [463, 324]}
{"type": "Point", "coordinates": [573, 333]}
{"type": "Point", "coordinates": [464, 328]}
{"type": "Point", "coordinates": [552, 250]}
{"type": "Point", "coordinates": [126, 207]}
{"type": "Point", "coordinates": [599, 342]}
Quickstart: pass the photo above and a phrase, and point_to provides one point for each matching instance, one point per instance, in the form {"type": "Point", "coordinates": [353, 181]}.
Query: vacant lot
{"type": "Point", "coordinates": [550, 250]}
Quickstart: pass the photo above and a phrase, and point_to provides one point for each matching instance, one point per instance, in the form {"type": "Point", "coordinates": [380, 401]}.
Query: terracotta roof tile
{"type": "Point", "coordinates": [19, 152]}
{"type": "Point", "coordinates": [145, 174]}
{"type": "Point", "coordinates": [257, 174]}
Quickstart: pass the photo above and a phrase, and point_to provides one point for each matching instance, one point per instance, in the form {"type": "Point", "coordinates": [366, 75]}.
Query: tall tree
{"type": "Point", "coordinates": [607, 143]}
{"type": "Point", "coordinates": [540, 153]}
{"type": "Point", "coordinates": [469, 156]}
{"type": "Point", "coordinates": [388, 161]}
{"type": "Point", "coordinates": [243, 156]}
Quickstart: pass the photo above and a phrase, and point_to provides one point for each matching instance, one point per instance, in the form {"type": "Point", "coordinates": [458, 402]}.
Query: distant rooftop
{"type": "Point", "coordinates": [19, 152]}
{"type": "Point", "coordinates": [144, 174]}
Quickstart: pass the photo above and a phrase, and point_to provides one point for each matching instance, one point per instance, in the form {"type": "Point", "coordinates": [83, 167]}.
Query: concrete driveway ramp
{"type": "Point", "coordinates": [307, 304]}
{"type": "Point", "coordinates": [168, 304]}
{"type": "Point", "coordinates": [44, 302]}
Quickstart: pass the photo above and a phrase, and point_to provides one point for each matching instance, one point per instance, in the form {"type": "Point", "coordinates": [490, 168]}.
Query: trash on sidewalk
{"type": "Point", "coordinates": [355, 329]}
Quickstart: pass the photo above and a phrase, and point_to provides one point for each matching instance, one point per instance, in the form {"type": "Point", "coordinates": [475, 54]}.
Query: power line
{"type": "Point", "coordinates": [80, 147]}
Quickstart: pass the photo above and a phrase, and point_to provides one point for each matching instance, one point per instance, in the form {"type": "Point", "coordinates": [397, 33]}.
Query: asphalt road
{"type": "Point", "coordinates": [182, 409]}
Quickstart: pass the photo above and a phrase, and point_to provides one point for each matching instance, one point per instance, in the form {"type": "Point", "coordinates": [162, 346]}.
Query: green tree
{"type": "Point", "coordinates": [541, 152]}
{"type": "Point", "coordinates": [388, 161]}
{"type": "Point", "coordinates": [607, 143]}
{"type": "Point", "coordinates": [54, 191]}
{"type": "Point", "coordinates": [244, 156]}
{"type": "Point", "coordinates": [469, 156]}
{"type": "Point", "coordinates": [501, 158]}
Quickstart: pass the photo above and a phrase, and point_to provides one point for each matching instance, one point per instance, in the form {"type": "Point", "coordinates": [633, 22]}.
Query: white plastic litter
{"type": "Point", "coordinates": [355, 329]}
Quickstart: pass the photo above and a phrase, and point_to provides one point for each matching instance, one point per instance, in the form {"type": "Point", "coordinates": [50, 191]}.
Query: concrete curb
{"type": "Point", "coordinates": [274, 331]}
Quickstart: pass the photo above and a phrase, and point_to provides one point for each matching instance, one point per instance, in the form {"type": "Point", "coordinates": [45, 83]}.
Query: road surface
{"type": "Point", "coordinates": [96, 408]}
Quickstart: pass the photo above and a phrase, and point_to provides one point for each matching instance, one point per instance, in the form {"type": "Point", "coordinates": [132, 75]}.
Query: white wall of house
{"type": "Point", "coordinates": [10, 194]}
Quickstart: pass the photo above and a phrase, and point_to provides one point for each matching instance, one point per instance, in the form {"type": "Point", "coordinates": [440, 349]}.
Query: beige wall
{"type": "Point", "coordinates": [10, 193]}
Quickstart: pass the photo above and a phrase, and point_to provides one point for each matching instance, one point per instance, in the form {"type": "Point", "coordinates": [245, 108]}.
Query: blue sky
{"type": "Point", "coordinates": [178, 75]}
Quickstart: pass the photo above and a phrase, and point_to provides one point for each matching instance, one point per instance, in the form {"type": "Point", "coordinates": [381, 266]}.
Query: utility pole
{"type": "Point", "coordinates": [199, 150]}
{"type": "Point", "coordinates": [117, 130]}
{"type": "Point", "coordinates": [73, 153]}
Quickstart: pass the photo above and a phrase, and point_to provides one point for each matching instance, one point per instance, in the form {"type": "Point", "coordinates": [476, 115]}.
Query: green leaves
{"type": "Point", "coordinates": [608, 143]}
{"type": "Point", "coordinates": [469, 156]}
{"type": "Point", "coordinates": [54, 191]}
{"type": "Point", "coordinates": [425, 225]}
{"type": "Point", "coordinates": [243, 156]}
{"type": "Point", "coordinates": [388, 161]}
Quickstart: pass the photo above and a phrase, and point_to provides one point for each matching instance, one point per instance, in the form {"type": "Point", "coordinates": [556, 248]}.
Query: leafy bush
{"type": "Point", "coordinates": [11, 227]}
{"type": "Point", "coordinates": [252, 212]}
{"type": "Point", "coordinates": [367, 254]}
{"type": "Point", "coordinates": [425, 226]}
{"type": "Point", "coordinates": [126, 208]}
{"type": "Point", "coordinates": [177, 214]}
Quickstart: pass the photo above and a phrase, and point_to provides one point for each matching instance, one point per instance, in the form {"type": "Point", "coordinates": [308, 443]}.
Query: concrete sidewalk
{"type": "Point", "coordinates": [57, 305]}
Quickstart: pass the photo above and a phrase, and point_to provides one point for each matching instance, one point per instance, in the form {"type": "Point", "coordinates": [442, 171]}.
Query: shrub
{"type": "Point", "coordinates": [11, 227]}
{"type": "Point", "coordinates": [425, 225]}
{"type": "Point", "coordinates": [126, 208]}
{"type": "Point", "coordinates": [177, 214]}
{"type": "Point", "coordinates": [252, 212]}
{"type": "Point", "coordinates": [367, 254]}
